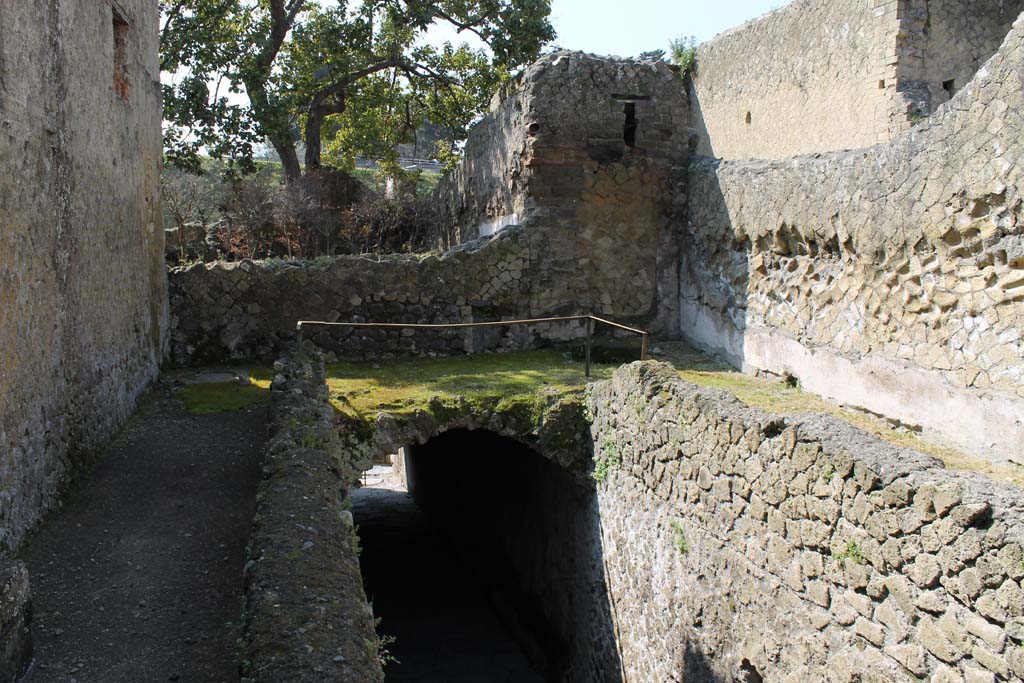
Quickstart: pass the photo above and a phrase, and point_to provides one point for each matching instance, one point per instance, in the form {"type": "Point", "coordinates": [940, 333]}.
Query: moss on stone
{"type": "Point", "coordinates": [518, 385]}
{"type": "Point", "coordinates": [253, 389]}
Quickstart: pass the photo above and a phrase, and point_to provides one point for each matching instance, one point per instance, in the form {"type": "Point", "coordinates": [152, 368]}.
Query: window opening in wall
{"type": "Point", "coordinates": [748, 118]}
{"type": "Point", "coordinates": [629, 130]}
{"type": "Point", "coordinates": [121, 28]}
{"type": "Point", "coordinates": [881, 84]}
{"type": "Point", "coordinates": [950, 87]}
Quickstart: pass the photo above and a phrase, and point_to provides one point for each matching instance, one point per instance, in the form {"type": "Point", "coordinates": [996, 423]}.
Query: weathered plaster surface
{"type": "Point", "coordinates": [824, 75]}
{"type": "Point", "coordinates": [83, 303]}
{"type": "Point", "coordinates": [900, 266]}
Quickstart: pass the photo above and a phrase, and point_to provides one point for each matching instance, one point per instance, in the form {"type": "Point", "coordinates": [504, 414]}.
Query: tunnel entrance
{"type": "Point", "coordinates": [479, 567]}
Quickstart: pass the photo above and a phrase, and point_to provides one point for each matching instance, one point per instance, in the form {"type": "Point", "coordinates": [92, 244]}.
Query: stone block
{"type": "Point", "coordinates": [15, 620]}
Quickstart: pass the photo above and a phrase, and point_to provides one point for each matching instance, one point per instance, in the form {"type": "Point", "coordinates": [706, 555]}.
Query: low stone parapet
{"type": "Point", "coordinates": [15, 620]}
{"type": "Point", "coordinates": [306, 614]}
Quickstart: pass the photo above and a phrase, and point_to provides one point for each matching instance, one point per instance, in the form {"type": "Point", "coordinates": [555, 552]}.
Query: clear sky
{"type": "Point", "coordinates": [628, 27]}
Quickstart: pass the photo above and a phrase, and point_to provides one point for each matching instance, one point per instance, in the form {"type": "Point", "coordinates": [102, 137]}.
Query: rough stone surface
{"type": "Point", "coordinates": [897, 270]}
{"type": "Point", "coordinates": [594, 215]}
{"type": "Point", "coordinates": [82, 286]}
{"type": "Point", "coordinates": [306, 614]}
{"type": "Point", "coordinates": [822, 75]}
{"type": "Point", "coordinates": [556, 155]}
{"type": "Point", "coordinates": [797, 555]}
{"type": "Point", "coordinates": [15, 621]}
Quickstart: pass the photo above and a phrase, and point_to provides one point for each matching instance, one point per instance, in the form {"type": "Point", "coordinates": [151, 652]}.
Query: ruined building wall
{"type": "Point", "coordinates": [807, 74]}
{"type": "Point", "coordinates": [943, 44]}
{"type": "Point", "coordinates": [825, 75]}
{"type": "Point", "coordinates": [587, 185]}
{"type": "Point", "coordinates": [890, 279]}
{"type": "Point", "coordinates": [82, 285]}
{"type": "Point", "coordinates": [588, 151]}
{"type": "Point", "coordinates": [802, 549]}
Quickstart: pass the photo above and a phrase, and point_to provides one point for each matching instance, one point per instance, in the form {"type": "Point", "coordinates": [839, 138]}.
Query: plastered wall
{"type": "Point", "coordinates": [825, 75]}
{"type": "Point", "coordinates": [890, 278]}
{"type": "Point", "coordinates": [82, 285]}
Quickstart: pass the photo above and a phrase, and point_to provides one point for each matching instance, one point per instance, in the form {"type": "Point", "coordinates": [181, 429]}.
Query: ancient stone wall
{"type": "Point", "coordinates": [306, 614]}
{"type": "Point", "coordinates": [803, 78]}
{"type": "Point", "coordinates": [250, 309]}
{"type": "Point", "coordinates": [799, 548]}
{"type": "Point", "coordinates": [824, 75]}
{"type": "Point", "coordinates": [82, 285]}
{"type": "Point", "coordinates": [582, 151]}
{"type": "Point", "coordinates": [890, 279]}
{"type": "Point", "coordinates": [942, 45]}
{"type": "Point", "coordinates": [15, 621]}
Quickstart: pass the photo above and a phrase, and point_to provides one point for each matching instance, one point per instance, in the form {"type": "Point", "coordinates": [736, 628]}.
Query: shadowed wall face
{"type": "Point", "coordinates": [83, 302]}
{"type": "Point", "coordinates": [531, 532]}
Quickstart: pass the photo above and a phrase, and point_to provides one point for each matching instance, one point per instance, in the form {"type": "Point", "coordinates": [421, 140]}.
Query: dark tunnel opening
{"type": "Point", "coordinates": [489, 568]}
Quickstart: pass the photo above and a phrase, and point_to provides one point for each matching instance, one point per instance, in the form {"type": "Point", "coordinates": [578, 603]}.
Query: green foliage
{"type": "Point", "coordinates": [380, 649]}
{"type": "Point", "coordinates": [610, 459]}
{"type": "Point", "coordinates": [679, 538]}
{"type": "Point", "coordinates": [684, 53]}
{"type": "Point", "coordinates": [403, 387]}
{"type": "Point", "coordinates": [853, 552]}
{"type": "Point", "coordinates": [346, 78]}
{"type": "Point", "coordinates": [218, 397]}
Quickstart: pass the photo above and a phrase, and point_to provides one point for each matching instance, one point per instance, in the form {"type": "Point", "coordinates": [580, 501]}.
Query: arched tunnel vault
{"type": "Point", "coordinates": [490, 567]}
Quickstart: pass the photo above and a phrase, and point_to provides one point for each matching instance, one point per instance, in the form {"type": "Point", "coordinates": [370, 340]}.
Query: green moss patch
{"type": "Point", "coordinates": [507, 382]}
{"type": "Point", "coordinates": [780, 397]}
{"type": "Point", "coordinates": [205, 398]}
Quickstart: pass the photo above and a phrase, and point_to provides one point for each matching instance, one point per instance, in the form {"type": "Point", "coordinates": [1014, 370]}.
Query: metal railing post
{"type": "Point", "coordinates": [590, 332]}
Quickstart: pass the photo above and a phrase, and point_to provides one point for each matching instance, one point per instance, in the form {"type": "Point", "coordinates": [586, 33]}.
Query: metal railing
{"type": "Point", "coordinates": [592, 321]}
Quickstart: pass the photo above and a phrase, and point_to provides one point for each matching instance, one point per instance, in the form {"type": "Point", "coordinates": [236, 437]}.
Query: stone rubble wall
{"type": "Point", "coordinates": [15, 621]}
{"type": "Point", "coordinates": [796, 547]}
{"type": "Point", "coordinates": [250, 309]}
{"type": "Point", "coordinates": [553, 156]}
{"type": "Point", "coordinates": [890, 278]}
{"type": "Point", "coordinates": [83, 300]}
{"type": "Point", "coordinates": [825, 75]}
{"type": "Point", "coordinates": [306, 614]}
{"type": "Point", "coordinates": [943, 41]}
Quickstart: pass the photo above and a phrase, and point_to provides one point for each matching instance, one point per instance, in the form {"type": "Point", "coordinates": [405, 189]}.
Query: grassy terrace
{"type": "Point", "coordinates": [530, 379]}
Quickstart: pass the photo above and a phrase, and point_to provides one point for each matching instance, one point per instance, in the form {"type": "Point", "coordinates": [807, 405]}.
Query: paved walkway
{"type": "Point", "coordinates": [138, 579]}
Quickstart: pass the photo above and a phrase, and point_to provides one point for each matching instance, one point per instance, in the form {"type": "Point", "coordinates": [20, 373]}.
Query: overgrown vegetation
{"type": "Point", "coordinates": [679, 538]}
{"type": "Point", "coordinates": [205, 398]}
{"type": "Point", "coordinates": [504, 380]}
{"type": "Point", "coordinates": [852, 552]}
{"type": "Point", "coordinates": [684, 54]}
{"type": "Point", "coordinates": [259, 216]}
{"type": "Point", "coordinates": [609, 459]}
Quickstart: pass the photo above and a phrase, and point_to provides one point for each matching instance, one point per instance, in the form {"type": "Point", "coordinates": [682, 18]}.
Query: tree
{"type": "Point", "coordinates": [343, 77]}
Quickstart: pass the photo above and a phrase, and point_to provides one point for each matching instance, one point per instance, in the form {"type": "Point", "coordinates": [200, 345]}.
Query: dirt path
{"type": "Point", "coordinates": [138, 578]}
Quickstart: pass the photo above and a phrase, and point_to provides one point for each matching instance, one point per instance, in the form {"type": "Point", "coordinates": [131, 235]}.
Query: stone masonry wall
{"type": "Point", "coordinates": [306, 615]}
{"type": "Point", "coordinates": [825, 75]}
{"type": "Point", "coordinates": [82, 286]}
{"type": "Point", "coordinates": [942, 45]}
{"type": "Point", "coordinates": [807, 74]}
{"type": "Point", "coordinates": [15, 621]}
{"type": "Point", "coordinates": [797, 548]}
{"type": "Point", "coordinates": [891, 278]}
{"type": "Point", "coordinates": [582, 152]}
{"type": "Point", "coordinates": [250, 309]}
